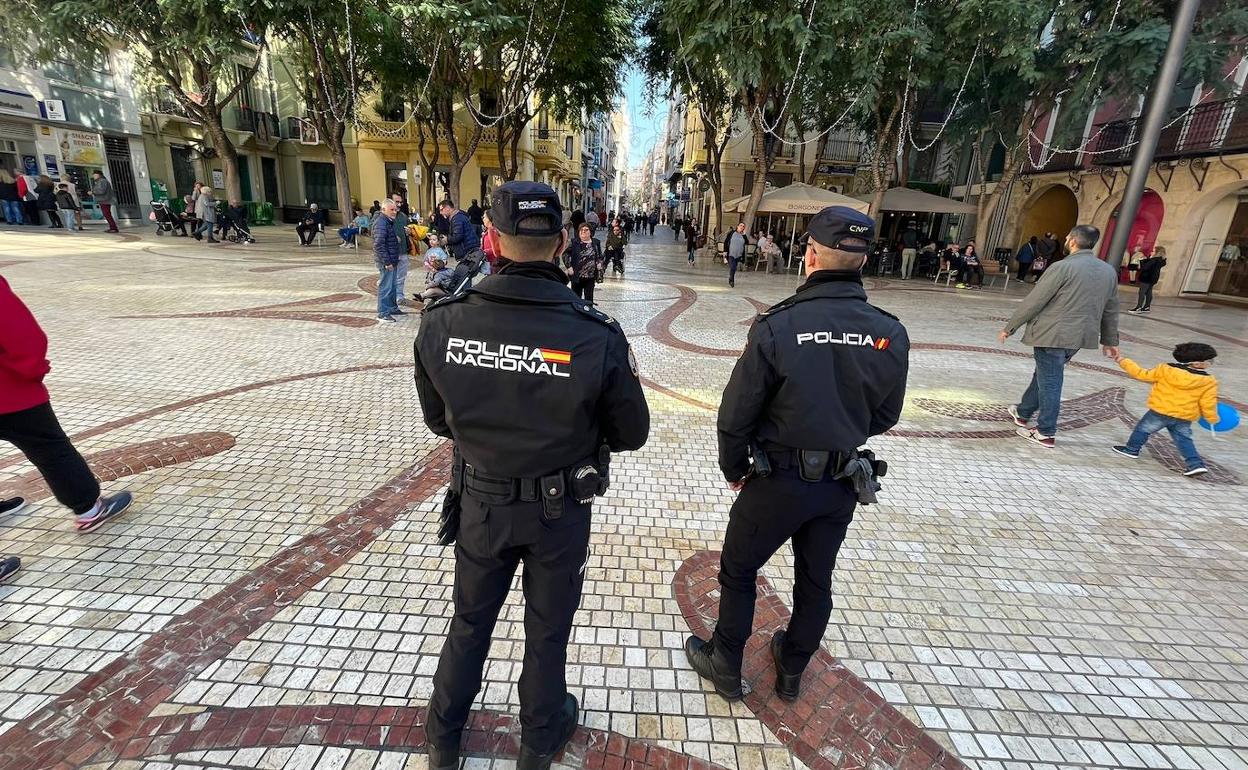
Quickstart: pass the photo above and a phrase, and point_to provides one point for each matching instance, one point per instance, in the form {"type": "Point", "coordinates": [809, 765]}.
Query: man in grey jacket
{"type": "Point", "coordinates": [1073, 306]}
{"type": "Point", "coordinates": [102, 192]}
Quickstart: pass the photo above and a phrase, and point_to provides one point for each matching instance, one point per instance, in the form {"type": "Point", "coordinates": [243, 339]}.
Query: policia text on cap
{"type": "Point", "coordinates": [536, 387]}
{"type": "Point", "coordinates": [821, 372]}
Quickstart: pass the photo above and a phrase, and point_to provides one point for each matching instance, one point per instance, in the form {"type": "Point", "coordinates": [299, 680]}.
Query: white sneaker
{"type": "Point", "coordinates": [1018, 421]}
{"type": "Point", "coordinates": [1037, 437]}
{"type": "Point", "coordinates": [1199, 470]}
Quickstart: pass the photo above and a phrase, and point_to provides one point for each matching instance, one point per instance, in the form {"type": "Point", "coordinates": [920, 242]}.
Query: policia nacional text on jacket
{"type": "Point", "coordinates": [532, 384]}
{"type": "Point", "coordinates": [821, 372]}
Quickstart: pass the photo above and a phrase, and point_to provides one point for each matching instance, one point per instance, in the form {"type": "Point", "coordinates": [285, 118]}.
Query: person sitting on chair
{"type": "Point", "coordinates": [310, 224]}
{"type": "Point", "coordinates": [972, 273]}
{"type": "Point", "coordinates": [439, 284]}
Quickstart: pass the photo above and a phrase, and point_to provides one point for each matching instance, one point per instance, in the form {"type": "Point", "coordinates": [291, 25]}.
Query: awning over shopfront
{"type": "Point", "coordinates": [797, 198]}
{"type": "Point", "coordinates": [907, 200]}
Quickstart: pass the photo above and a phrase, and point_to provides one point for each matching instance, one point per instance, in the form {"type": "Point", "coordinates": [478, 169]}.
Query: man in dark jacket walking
{"type": "Point", "coordinates": [102, 192]}
{"type": "Point", "coordinates": [1149, 275]}
{"type": "Point", "coordinates": [476, 215]}
{"type": "Point", "coordinates": [462, 238]}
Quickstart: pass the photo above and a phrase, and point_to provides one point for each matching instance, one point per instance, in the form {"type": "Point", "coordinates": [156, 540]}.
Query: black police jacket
{"type": "Point", "coordinates": [526, 377]}
{"type": "Point", "coordinates": [821, 370]}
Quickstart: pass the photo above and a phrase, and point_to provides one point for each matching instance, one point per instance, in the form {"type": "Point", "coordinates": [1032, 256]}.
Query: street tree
{"type": "Point", "coordinates": [202, 53]}
{"type": "Point", "coordinates": [1039, 56]}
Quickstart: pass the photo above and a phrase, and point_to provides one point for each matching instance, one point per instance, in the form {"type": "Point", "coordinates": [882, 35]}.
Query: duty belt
{"type": "Point", "coordinates": [582, 482]}
{"type": "Point", "coordinates": [497, 491]}
{"type": "Point", "coordinates": [833, 461]}
{"type": "Point", "coordinates": [858, 467]}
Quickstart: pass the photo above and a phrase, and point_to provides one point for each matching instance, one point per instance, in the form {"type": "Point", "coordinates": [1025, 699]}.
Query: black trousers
{"type": "Point", "coordinates": [768, 512]}
{"type": "Point", "coordinates": [38, 435]}
{"type": "Point", "coordinates": [584, 288]}
{"type": "Point", "coordinates": [492, 541]}
{"type": "Point", "coordinates": [307, 233]}
{"type": "Point", "coordinates": [1146, 296]}
{"type": "Point", "coordinates": [1024, 268]}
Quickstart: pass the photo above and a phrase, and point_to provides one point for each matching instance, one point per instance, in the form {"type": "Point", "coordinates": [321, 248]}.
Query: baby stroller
{"type": "Point", "coordinates": [234, 226]}
{"type": "Point", "coordinates": [165, 220]}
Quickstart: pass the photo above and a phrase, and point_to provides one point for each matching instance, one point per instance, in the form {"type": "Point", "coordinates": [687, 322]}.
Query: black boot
{"type": "Point", "coordinates": [788, 686]}
{"type": "Point", "coordinates": [443, 758]}
{"type": "Point", "coordinates": [531, 760]}
{"type": "Point", "coordinates": [711, 666]}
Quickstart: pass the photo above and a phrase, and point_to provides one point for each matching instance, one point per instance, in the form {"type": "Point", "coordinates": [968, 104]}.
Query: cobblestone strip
{"type": "Point", "coordinates": [490, 734]}
{"type": "Point", "coordinates": [838, 722]}
{"type": "Point", "coordinates": [108, 706]}
{"type": "Point", "coordinates": [128, 460]}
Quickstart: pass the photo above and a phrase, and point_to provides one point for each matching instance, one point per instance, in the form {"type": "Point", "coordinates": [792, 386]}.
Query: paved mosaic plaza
{"type": "Point", "coordinates": [275, 598]}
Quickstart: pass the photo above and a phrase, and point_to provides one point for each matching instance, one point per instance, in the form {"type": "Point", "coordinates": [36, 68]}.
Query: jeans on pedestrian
{"type": "Point", "coordinates": [347, 234]}
{"type": "Point", "coordinates": [387, 302]}
{"type": "Point", "coordinates": [1146, 296]}
{"type": "Point", "coordinates": [13, 212]}
{"type": "Point", "coordinates": [1180, 431]}
{"type": "Point", "coordinates": [907, 262]}
{"type": "Point", "coordinates": [732, 268]}
{"type": "Point", "coordinates": [37, 434]}
{"type": "Point", "coordinates": [204, 227]}
{"type": "Point", "coordinates": [400, 279]}
{"type": "Point", "coordinates": [1044, 394]}
{"type": "Point", "coordinates": [68, 216]}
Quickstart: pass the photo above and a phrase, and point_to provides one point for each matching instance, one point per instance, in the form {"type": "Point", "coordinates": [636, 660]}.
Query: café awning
{"type": "Point", "coordinates": [797, 198]}
{"type": "Point", "coordinates": [908, 200]}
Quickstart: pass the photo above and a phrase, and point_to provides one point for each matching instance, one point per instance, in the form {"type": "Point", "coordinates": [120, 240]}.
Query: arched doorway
{"type": "Point", "coordinates": [1054, 210]}
{"type": "Point", "coordinates": [1143, 231]}
{"type": "Point", "coordinates": [1219, 263]}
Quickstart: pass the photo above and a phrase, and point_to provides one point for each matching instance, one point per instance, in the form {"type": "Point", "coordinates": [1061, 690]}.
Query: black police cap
{"type": "Point", "coordinates": [837, 224]}
{"type": "Point", "coordinates": [526, 208]}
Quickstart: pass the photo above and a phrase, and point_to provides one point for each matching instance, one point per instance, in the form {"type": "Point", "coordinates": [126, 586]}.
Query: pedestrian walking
{"type": "Point", "coordinates": [1149, 275]}
{"type": "Point", "coordinates": [68, 206]}
{"type": "Point", "coordinates": [536, 388]}
{"type": "Point", "coordinates": [386, 242]}
{"type": "Point", "coordinates": [691, 241]}
{"type": "Point", "coordinates": [10, 198]}
{"type": "Point", "coordinates": [585, 263]}
{"type": "Point", "coordinates": [909, 244]}
{"type": "Point", "coordinates": [476, 216]}
{"type": "Point", "coordinates": [28, 422]}
{"type": "Point", "coordinates": [735, 244]}
{"type": "Point", "coordinates": [615, 248]}
{"type": "Point", "coordinates": [102, 193]}
{"type": "Point", "coordinates": [45, 199]}
{"type": "Point", "coordinates": [206, 213]}
{"type": "Point", "coordinates": [1182, 392]}
{"type": "Point", "coordinates": [1073, 306]}
{"type": "Point", "coordinates": [1026, 256]}
{"type": "Point", "coordinates": [822, 372]}
{"type": "Point", "coordinates": [404, 236]}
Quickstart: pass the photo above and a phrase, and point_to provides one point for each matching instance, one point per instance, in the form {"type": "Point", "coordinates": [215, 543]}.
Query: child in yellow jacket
{"type": "Point", "coordinates": [1182, 392]}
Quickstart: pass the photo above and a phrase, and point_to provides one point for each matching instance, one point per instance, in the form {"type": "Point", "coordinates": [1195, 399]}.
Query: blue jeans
{"type": "Point", "coordinates": [1180, 431]}
{"type": "Point", "coordinates": [386, 302]}
{"type": "Point", "coordinates": [13, 212]}
{"type": "Point", "coordinates": [400, 278]}
{"type": "Point", "coordinates": [347, 234]}
{"type": "Point", "coordinates": [67, 216]}
{"type": "Point", "coordinates": [1044, 394]}
{"type": "Point", "coordinates": [732, 267]}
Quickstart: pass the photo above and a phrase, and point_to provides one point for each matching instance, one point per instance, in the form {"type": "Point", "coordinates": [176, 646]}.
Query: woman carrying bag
{"type": "Point", "coordinates": [585, 263]}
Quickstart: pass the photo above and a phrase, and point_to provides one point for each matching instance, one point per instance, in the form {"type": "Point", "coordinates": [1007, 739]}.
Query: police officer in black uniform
{"type": "Point", "coordinates": [536, 387]}
{"type": "Point", "coordinates": [822, 371]}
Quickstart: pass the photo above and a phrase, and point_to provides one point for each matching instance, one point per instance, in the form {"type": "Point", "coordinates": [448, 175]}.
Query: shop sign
{"type": "Point", "coordinates": [218, 179]}
{"type": "Point", "coordinates": [53, 109]}
{"type": "Point", "coordinates": [81, 148]}
{"type": "Point", "coordinates": [30, 164]}
{"type": "Point", "coordinates": [17, 102]}
{"type": "Point", "coordinates": [53, 168]}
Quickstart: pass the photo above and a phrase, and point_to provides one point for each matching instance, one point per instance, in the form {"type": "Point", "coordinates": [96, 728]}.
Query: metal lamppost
{"type": "Point", "coordinates": [1154, 119]}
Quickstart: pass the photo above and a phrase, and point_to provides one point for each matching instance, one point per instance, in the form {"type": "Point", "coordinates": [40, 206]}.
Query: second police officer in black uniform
{"type": "Point", "coordinates": [536, 387]}
{"type": "Point", "coordinates": [821, 372]}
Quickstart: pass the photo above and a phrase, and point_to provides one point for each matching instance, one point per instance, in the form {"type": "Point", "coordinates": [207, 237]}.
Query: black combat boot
{"type": "Point", "coordinates": [531, 760]}
{"type": "Point", "coordinates": [788, 686]}
{"type": "Point", "coordinates": [443, 758]}
{"type": "Point", "coordinates": [712, 666]}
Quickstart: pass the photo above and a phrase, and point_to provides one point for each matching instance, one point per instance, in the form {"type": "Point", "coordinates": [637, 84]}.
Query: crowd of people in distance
{"type": "Point", "coordinates": [26, 199]}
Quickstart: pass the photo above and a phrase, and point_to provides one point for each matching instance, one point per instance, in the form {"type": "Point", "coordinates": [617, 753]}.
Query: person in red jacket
{"type": "Point", "coordinates": [28, 422]}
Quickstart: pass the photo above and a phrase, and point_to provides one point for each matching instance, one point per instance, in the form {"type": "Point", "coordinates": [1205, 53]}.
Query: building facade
{"type": "Point", "coordinates": [72, 117]}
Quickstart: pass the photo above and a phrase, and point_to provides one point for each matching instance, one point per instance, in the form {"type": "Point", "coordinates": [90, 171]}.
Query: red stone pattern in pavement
{"type": "Point", "coordinates": [128, 460]}
{"type": "Point", "coordinates": [106, 708]}
{"type": "Point", "coordinates": [489, 733]}
{"type": "Point", "coordinates": [660, 326]}
{"type": "Point", "coordinates": [121, 422]}
{"type": "Point", "coordinates": [283, 312]}
{"type": "Point", "coordinates": [838, 722]}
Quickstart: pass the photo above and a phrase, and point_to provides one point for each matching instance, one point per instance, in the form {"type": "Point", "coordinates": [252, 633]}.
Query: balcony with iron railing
{"type": "Point", "coordinates": [1040, 161]}
{"type": "Point", "coordinates": [845, 151]}
{"type": "Point", "coordinates": [1209, 129]}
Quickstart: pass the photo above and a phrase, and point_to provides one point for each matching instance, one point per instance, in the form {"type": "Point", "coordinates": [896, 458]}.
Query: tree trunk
{"type": "Point", "coordinates": [226, 151]}
{"type": "Point", "coordinates": [820, 150]}
{"type": "Point", "coordinates": [515, 154]}
{"type": "Point", "coordinates": [342, 177]}
{"type": "Point", "coordinates": [880, 162]}
{"type": "Point", "coordinates": [762, 165]}
{"type": "Point", "coordinates": [987, 204]}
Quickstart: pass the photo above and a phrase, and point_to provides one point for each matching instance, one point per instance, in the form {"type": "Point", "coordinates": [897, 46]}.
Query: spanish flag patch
{"type": "Point", "coordinates": [556, 356]}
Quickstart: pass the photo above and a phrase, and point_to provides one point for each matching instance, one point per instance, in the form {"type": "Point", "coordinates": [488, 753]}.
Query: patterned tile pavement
{"type": "Point", "coordinates": [275, 598]}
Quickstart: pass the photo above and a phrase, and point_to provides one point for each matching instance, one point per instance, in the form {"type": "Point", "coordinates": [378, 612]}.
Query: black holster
{"type": "Point", "coordinates": [760, 464]}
